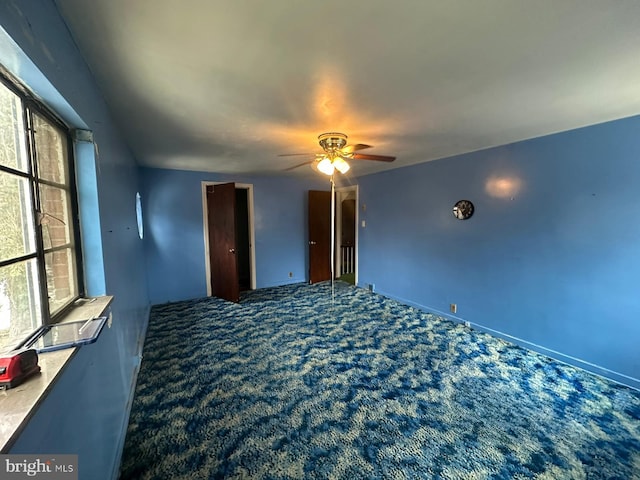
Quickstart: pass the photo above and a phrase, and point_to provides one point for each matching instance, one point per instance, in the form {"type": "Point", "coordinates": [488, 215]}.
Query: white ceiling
{"type": "Point", "coordinates": [227, 85]}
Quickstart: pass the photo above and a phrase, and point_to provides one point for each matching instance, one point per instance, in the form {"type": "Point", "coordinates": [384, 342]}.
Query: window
{"type": "Point", "coordinates": [39, 250]}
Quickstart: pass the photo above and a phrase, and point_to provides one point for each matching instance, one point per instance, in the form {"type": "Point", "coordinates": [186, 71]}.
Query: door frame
{"type": "Point", "coordinates": [205, 228]}
{"type": "Point", "coordinates": [341, 193]}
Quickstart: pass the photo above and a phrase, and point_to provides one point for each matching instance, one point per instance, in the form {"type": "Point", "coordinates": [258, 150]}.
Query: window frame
{"type": "Point", "coordinates": [30, 107]}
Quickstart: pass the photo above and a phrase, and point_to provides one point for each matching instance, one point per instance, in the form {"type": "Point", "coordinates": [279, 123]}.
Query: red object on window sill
{"type": "Point", "coordinates": [15, 367]}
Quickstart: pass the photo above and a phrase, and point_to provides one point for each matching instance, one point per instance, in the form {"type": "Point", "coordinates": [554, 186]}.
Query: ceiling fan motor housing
{"type": "Point", "coordinates": [332, 141]}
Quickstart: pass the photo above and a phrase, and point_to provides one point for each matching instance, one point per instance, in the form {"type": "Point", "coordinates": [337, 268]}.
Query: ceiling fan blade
{"type": "Point", "coordinates": [295, 154]}
{"type": "Point", "coordinates": [299, 165]}
{"type": "Point", "coordinates": [380, 158]}
{"type": "Point", "coordinates": [353, 148]}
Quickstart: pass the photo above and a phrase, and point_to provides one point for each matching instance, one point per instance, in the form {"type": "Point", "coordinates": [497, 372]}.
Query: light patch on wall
{"type": "Point", "coordinates": [503, 186]}
{"type": "Point", "coordinates": [139, 220]}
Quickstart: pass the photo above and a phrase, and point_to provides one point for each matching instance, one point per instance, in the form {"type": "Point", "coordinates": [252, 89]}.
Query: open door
{"type": "Point", "coordinates": [319, 236]}
{"type": "Point", "coordinates": [221, 207]}
{"type": "Point", "coordinates": [346, 258]}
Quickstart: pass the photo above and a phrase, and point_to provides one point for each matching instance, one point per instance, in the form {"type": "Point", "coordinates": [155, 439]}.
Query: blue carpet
{"type": "Point", "coordinates": [293, 382]}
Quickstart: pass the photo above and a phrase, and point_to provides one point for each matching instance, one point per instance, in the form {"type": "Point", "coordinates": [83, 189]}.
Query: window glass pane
{"type": "Point", "coordinates": [61, 282]}
{"type": "Point", "coordinates": [12, 145]}
{"type": "Point", "coordinates": [20, 309]}
{"type": "Point", "coordinates": [51, 151]}
{"type": "Point", "coordinates": [17, 231]}
{"type": "Point", "coordinates": [56, 224]}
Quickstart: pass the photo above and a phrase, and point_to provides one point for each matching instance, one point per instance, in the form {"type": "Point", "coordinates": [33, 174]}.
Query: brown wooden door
{"type": "Point", "coordinates": [319, 236]}
{"type": "Point", "coordinates": [221, 207]}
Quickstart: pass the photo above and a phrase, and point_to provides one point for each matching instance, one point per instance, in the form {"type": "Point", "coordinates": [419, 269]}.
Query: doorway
{"type": "Point", "coordinates": [346, 266]}
{"type": "Point", "coordinates": [243, 243]}
{"type": "Point", "coordinates": [346, 235]}
{"type": "Point", "coordinates": [240, 234]}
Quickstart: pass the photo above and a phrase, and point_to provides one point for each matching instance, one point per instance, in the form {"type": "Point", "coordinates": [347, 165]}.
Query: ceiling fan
{"type": "Point", "coordinates": [336, 153]}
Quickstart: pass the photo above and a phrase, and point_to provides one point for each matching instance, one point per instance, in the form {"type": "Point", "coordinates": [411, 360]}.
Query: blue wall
{"type": "Point", "coordinates": [174, 242]}
{"type": "Point", "coordinates": [86, 412]}
{"type": "Point", "coordinates": [550, 257]}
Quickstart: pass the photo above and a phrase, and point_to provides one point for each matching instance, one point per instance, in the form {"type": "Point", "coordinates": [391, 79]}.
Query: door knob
{"type": "Point", "coordinates": [311, 242]}
{"type": "Point", "coordinates": [232, 250]}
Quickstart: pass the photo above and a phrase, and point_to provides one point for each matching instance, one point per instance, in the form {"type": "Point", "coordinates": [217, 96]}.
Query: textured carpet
{"type": "Point", "coordinates": [293, 382]}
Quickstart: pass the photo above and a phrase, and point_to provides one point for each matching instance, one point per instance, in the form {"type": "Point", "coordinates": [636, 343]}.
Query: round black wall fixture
{"type": "Point", "coordinates": [463, 209]}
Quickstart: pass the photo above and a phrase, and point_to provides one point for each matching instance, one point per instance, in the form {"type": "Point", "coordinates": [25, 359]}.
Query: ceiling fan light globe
{"type": "Point", "coordinates": [341, 165]}
{"type": "Point", "coordinates": [325, 166]}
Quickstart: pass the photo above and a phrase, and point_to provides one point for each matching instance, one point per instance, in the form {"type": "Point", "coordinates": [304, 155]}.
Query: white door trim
{"type": "Point", "coordinates": [205, 229]}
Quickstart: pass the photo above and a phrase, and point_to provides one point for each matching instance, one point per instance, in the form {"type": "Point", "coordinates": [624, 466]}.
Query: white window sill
{"type": "Point", "coordinates": [17, 405]}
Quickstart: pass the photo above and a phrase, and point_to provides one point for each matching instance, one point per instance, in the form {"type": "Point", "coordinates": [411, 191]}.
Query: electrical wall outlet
{"type": "Point", "coordinates": [453, 308]}
{"type": "Point", "coordinates": [372, 287]}
{"type": "Point", "coordinates": [290, 274]}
